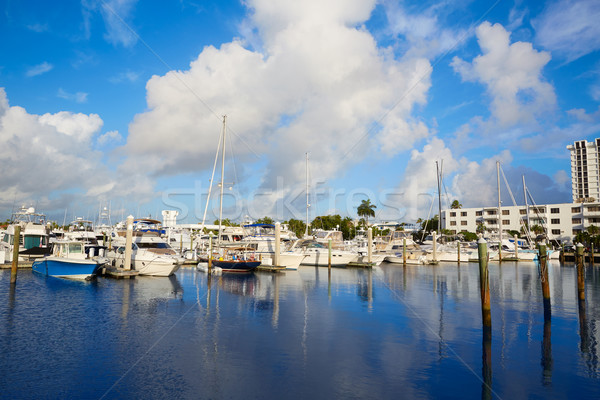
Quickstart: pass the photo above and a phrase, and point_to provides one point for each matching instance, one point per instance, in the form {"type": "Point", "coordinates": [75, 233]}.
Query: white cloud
{"type": "Point", "coordinates": [424, 34]}
{"type": "Point", "coordinates": [512, 74]}
{"type": "Point", "coordinates": [39, 69]}
{"type": "Point", "coordinates": [116, 15]}
{"type": "Point", "coordinates": [318, 85]}
{"type": "Point", "coordinates": [569, 28]}
{"type": "Point", "coordinates": [39, 28]}
{"type": "Point", "coordinates": [79, 126]}
{"type": "Point", "coordinates": [127, 76]}
{"type": "Point", "coordinates": [110, 136]}
{"type": "Point", "coordinates": [79, 97]}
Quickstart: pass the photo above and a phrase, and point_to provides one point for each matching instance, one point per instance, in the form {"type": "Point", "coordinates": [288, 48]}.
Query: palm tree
{"type": "Point", "coordinates": [366, 209]}
{"type": "Point", "coordinates": [455, 205]}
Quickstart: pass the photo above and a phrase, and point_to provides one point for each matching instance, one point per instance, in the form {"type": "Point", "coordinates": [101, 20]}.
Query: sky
{"type": "Point", "coordinates": [121, 103]}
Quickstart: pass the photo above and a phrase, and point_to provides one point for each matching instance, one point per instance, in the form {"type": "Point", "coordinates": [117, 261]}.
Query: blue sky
{"type": "Point", "coordinates": [120, 103]}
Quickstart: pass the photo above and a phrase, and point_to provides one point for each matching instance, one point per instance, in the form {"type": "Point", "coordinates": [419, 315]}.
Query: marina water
{"type": "Point", "coordinates": [391, 332]}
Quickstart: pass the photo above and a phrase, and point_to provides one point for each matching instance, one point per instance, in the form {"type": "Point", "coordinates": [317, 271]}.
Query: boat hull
{"type": "Point", "coordinates": [236, 265]}
{"type": "Point", "coordinates": [66, 268]}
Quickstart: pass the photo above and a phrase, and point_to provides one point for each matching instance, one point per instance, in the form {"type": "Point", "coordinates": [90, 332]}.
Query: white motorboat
{"type": "Point", "coordinates": [150, 255]}
{"type": "Point", "coordinates": [318, 255]}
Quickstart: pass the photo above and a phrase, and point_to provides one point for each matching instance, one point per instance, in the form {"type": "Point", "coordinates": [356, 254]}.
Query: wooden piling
{"type": "Point", "coordinates": [128, 243]}
{"type": "Point", "coordinates": [15, 260]}
{"type": "Point", "coordinates": [458, 252]}
{"type": "Point", "coordinates": [370, 245]}
{"type": "Point", "coordinates": [404, 251]}
{"type": "Point", "coordinates": [580, 274]}
{"type": "Point", "coordinates": [277, 244]}
{"type": "Point", "coordinates": [543, 260]}
{"type": "Point", "coordinates": [210, 253]}
{"type": "Point", "coordinates": [484, 285]}
{"type": "Point", "coordinates": [516, 247]}
{"type": "Point", "coordinates": [329, 255]}
{"type": "Point", "coordinates": [592, 254]}
{"type": "Point", "coordinates": [562, 253]}
{"type": "Point", "coordinates": [434, 247]}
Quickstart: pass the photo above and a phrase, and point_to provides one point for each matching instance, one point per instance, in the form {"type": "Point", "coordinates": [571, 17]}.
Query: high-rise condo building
{"type": "Point", "coordinates": [585, 173]}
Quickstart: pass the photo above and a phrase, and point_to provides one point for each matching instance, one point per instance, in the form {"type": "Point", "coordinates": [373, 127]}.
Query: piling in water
{"type": "Point", "coordinates": [404, 251]}
{"type": "Point", "coordinates": [543, 260]}
{"type": "Point", "coordinates": [484, 286]}
{"type": "Point", "coordinates": [128, 243]}
{"type": "Point", "coordinates": [580, 274]}
{"type": "Point", "coordinates": [15, 260]}
{"type": "Point", "coordinates": [277, 244]}
{"type": "Point", "coordinates": [329, 255]}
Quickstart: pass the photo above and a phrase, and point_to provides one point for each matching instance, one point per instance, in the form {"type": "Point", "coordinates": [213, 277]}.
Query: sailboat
{"type": "Point", "coordinates": [230, 259]}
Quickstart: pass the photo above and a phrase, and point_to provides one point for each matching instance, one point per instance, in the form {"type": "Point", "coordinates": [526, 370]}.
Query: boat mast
{"type": "Point", "coordinates": [526, 204]}
{"type": "Point", "coordinates": [499, 206]}
{"type": "Point", "coordinates": [439, 199]}
{"type": "Point", "coordinates": [222, 180]}
{"type": "Point", "coordinates": [307, 205]}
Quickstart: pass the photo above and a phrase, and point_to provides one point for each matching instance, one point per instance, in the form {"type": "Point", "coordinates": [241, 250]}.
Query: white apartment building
{"type": "Point", "coordinates": [561, 221]}
{"type": "Point", "coordinates": [585, 173]}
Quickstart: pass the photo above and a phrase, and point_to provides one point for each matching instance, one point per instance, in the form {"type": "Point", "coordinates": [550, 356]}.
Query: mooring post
{"type": "Point", "coordinates": [181, 243]}
{"type": "Point", "coordinates": [458, 252]}
{"type": "Point", "coordinates": [484, 285]}
{"type": "Point", "coordinates": [277, 244]}
{"type": "Point", "coordinates": [580, 274]}
{"type": "Point", "coordinates": [434, 246]}
{"type": "Point", "coordinates": [210, 252]}
{"type": "Point", "coordinates": [128, 243]}
{"type": "Point", "coordinates": [562, 253]}
{"type": "Point", "coordinates": [543, 259]}
{"type": "Point", "coordinates": [15, 255]}
{"type": "Point", "coordinates": [404, 251]}
{"type": "Point", "coordinates": [592, 254]}
{"type": "Point", "coordinates": [370, 245]}
{"type": "Point", "coordinates": [329, 256]}
{"type": "Point", "coordinates": [516, 247]}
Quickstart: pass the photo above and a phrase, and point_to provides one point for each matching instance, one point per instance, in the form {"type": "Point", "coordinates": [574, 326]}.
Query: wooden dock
{"type": "Point", "coordinates": [22, 264]}
{"type": "Point", "coordinates": [361, 265]}
{"type": "Point", "coordinates": [270, 268]}
{"type": "Point", "coordinates": [119, 273]}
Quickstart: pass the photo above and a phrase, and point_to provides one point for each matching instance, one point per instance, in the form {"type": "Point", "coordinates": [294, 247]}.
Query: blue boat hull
{"type": "Point", "coordinates": [65, 268]}
{"type": "Point", "coordinates": [236, 266]}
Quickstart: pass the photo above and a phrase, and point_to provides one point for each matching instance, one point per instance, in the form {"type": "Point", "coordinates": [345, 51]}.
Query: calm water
{"type": "Point", "coordinates": [395, 332]}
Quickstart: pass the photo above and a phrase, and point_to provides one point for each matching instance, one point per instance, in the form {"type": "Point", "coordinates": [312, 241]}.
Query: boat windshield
{"type": "Point", "coordinates": [153, 245]}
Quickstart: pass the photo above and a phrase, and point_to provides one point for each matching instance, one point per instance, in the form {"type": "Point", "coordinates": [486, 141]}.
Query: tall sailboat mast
{"type": "Point", "coordinates": [499, 206]}
{"type": "Point", "coordinates": [437, 167]}
{"type": "Point", "coordinates": [526, 204]}
{"type": "Point", "coordinates": [307, 204]}
{"type": "Point", "coordinates": [222, 180]}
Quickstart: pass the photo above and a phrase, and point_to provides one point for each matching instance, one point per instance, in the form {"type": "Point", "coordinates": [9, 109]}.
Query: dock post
{"type": "Point", "coordinates": [404, 251]}
{"type": "Point", "coordinates": [15, 259]}
{"type": "Point", "coordinates": [128, 243]}
{"type": "Point", "coordinates": [580, 274]}
{"type": "Point", "coordinates": [434, 246]}
{"type": "Point", "coordinates": [458, 252]}
{"type": "Point", "coordinates": [592, 254]}
{"type": "Point", "coordinates": [370, 245]}
{"type": "Point", "coordinates": [543, 260]}
{"type": "Point", "coordinates": [329, 258]}
{"type": "Point", "coordinates": [562, 253]}
{"type": "Point", "coordinates": [181, 243]}
{"type": "Point", "coordinates": [277, 244]}
{"type": "Point", "coordinates": [516, 247]}
{"type": "Point", "coordinates": [484, 285]}
{"type": "Point", "coordinates": [210, 252]}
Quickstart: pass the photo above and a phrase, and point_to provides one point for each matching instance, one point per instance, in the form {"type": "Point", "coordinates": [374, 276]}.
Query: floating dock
{"type": "Point", "coordinates": [119, 273]}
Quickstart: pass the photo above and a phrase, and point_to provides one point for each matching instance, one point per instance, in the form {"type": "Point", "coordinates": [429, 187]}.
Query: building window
{"type": "Point", "coordinates": [478, 213]}
{"type": "Point", "coordinates": [463, 222]}
{"type": "Point", "coordinates": [555, 210]}
{"type": "Point", "coordinates": [506, 222]}
{"type": "Point", "coordinates": [576, 221]}
{"type": "Point", "coordinates": [574, 210]}
{"type": "Point", "coordinates": [463, 213]}
{"type": "Point", "coordinates": [491, 212]}
{"type": "Point", "coordinates": [556, 231]}
{"type": "Point", "coordinates": [452, 223]}
{"type": "Point", "coordinates": [576, 231]}
{"type": "Point", "coordinates": [505, 212]}
{"type": "Point", "coordinates": [453, 214]}
{"type": "Point", "coordinates": [523, 212]}
{"type": "Point", "coordinates": [555, 221]}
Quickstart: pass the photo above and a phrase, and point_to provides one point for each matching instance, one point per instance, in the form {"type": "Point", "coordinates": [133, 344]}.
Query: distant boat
{"type": "Point", "coordinates": [33, 241]}
{"type": "Point", "coordinates": [235, 259]}
{"type": "Point", "coordinates": [69, 260]}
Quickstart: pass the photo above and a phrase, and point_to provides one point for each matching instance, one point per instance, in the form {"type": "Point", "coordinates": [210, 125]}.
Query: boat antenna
{"type": "Point", "coordinates": [438, 169]}
{"type": "Point", "coordinates": [212, 177]}
{"type": "Point", "coordinates": [222, 180]}
{"type": "Point", "coordinates": [307, 194]}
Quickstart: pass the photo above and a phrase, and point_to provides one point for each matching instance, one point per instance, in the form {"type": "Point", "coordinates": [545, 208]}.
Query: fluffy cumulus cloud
{"type": "Point", "coordinates": [314, 80]}
{"type": "Point", "coordinates": [512, 74]}
{"type": "Point", "coordinates": [569, 28]}
{"type": "Point", "coordinates": [43, 156]}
